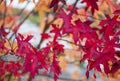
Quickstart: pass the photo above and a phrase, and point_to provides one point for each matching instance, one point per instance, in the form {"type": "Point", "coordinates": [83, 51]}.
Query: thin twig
{"type": "Point", "coordinates": [9, 44]}
{"type": "Point", "coordinates": [24, 8]}
{"type": "Point", "coordinates": [5, 11]}
{"type": "Point", "coordinates": [23, 21]}
{"type": "Point", "coordinates": [74, 6]}
{"type": "Point", "coordinates": [19, 15]}
{"type": "Point", "coordinates": [47, 26]}
{"type": "Point", "coordinates": [69, 42]}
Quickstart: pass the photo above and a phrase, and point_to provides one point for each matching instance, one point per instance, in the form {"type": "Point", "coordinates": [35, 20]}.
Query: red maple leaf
{"type": "Point", "coordinates": [55, 47]}
{"type": "Point", "coordinates": [75, 31]}
{"type": "Point", "coordinates": [82, 30]}
{"type": "Point", "coordinates": [109, 26]}
{"type": "Point", "coordinates": [30, 53]}
{"type": "Point", "coordinates": [2, 45]}
{"type": "Point", "coordinates": [58, 47]}
{"type": "Point", "coordinates": [2, 68]}
{"type": "Point", "coordinates": [13, 67]}
{"type": "Point", "coordinates": [87, 74]}
{"type": "Point", "coordinates": [31, 64]}
{"type": "Point", "coordinates": [101, 52]}
{"type": "Point", "coordinates": [56, 31]}
{"type": "Point", "coordinates": [41, 56]}
{"type": "Point", "coordinates": [54, 4]}
{"type": "Point", "coordinates": [92, 4]}
{"type": "Point", "coordinates": [23, 44]}
{"type": "Point", "coordinates": [45, 36]}
{"type": "Point", "coordinates": [55, 67]}
{"type": "Point", "coordinates": [3, 33]}
{"type": "Point", "coordinates": [67, 21]}
{"type": "Point", "coordinates": [116, 12]}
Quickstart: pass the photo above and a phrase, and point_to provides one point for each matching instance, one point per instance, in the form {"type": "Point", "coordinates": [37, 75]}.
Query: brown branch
{"type": "Point", "coordinates": [46, 27]}
{"type": "Point", "coordinates": [19, 15]}
{"type": "Point", "coordinates": [48, 24]}
{"type": "Point", "coordinates": [24, 8]}
{"type": "Point", "coordinates": [23, 21]}
{"type": "Point", "coordinates": [5, 11]}
{"type": "Point", "coordinates": [9, 44]}
{"type": "Point", "coordinates": [74, 6]}
{"type": "Point", "coordinates": [69, 42]}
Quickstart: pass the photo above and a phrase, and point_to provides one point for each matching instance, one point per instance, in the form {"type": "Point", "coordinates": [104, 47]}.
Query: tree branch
{"type": "Point", "coordinates": [23, 21]}
{"type": "Point", "coordinates": [48, 24]}
{"type": "Point", "coordinates": [19, 15]}
{"type": "Point", "coordinates": [69, 42]}
{"type": "Point", "coordinates": [5, 11]}
{"type": "Point", "coordinates": [46, 27]}
{"type": "Point", "coordinates": [74, 6]}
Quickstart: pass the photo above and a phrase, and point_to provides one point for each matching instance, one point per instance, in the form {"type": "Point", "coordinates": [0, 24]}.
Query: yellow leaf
{"type": "Point", "coordinates": [63, 63]}
{"type": "Point", "coordinates": [75, 75]}
{"type": "Point", "coordinates": [21, 1]}
{"type": "Point", "coordinates": [10, 44]}
{"type": "Point", "coordinates": [42, 8]}
{"type": "Point", "coordinates": [42, 25]}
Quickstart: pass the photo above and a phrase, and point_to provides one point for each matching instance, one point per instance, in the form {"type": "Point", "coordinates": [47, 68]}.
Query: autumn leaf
{"type": "Point", "coordinates": [23, 44]}
{"type": "Point", "coordinates": [21, 1]}
{"type": "Point", "coordinates": [97, 42]}
{"type": "Point", "coordinates": [56, 31]}
{"type": "Point", "coordinates": [92, 4]}
{"type": "Point", "coordinates": [67, 21]}
{"type": "Point", "coordinates": [87, 74]}
{"type": "Point", "coordinates": [31, 64]}
{"type": "Point", "coordinates": [42, 9]}
{"type": "Point", "coordinates": [117, 12]}
{"type": "Point", "coordinates": [54, 4]}
{"type": "Point", "coordinates": [2, 45]}
{"type": "Point", "coordinates": [55, 68]}
{"type": "Point", "coordinates": [114, 6]}
{"type": "Point", "coordinates": [45, 36]}
{"type": "Point", "coordinates": [3, 33]}
{"type": "Point", "coordinates": [2, 71]}
{"type": "Point", "coordinates": [42, 59]}
{"type": "Point", "coordinates": [108, 25]}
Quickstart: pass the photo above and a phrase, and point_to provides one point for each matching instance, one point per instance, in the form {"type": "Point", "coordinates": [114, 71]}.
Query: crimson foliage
{"type": "Point", "coordinates": [99, 48]}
